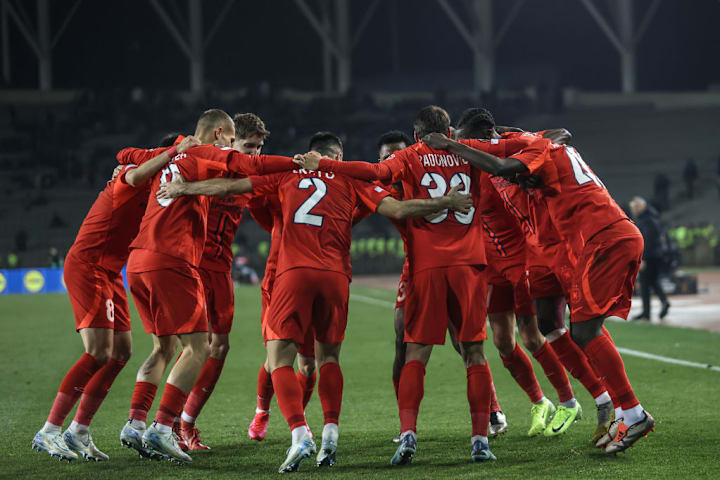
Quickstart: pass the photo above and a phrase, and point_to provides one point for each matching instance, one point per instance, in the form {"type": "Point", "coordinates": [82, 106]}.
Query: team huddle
{"type": "Point", "coordinates": [498, 224]}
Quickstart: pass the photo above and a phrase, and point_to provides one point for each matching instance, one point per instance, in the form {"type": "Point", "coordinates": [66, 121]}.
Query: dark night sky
{"type": "Point", "coordinates": [123, 44]}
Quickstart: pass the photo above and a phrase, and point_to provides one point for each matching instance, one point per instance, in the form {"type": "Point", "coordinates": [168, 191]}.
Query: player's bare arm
{"type": "Point", "coordinates": [481, 160]}
{"type": "Point", "coordinates": [214, 187]}
{"type": "Point", "coordinates": [140, 175]}
{"type": "Point", "coordinates": [400, 209]}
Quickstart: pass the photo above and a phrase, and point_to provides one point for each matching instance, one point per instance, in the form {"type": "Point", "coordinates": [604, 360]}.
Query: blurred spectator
{"type": "Point", "coordinates": [653, 232]}
{"type": "Point", "coordinates": [690, 176]}
{"type": "Point", "coordinates": [662, 192]}
{"type": "Point", "coordinates": [54, 258]}
{"type": "Point", "coordinates": [56, 221]}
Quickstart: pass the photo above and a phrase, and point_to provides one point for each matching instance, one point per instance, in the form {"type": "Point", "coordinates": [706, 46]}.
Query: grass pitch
{"type": "Point", "coordinates": [38, 346]}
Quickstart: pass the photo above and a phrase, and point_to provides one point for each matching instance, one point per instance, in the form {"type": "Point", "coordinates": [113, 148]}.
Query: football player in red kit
{"type": "Point", "coordinates": [447, 260]}
{"type": "Point", "coordinates": [165, 283]}
{"type": "Point", "coordinates": [311, 287]}
{"type": "Point", "coordinates": [608, 248]}
{"type": "Point", "coordinates": [97, 295]}
{"type": "Point", "coordinates": [215, 271]}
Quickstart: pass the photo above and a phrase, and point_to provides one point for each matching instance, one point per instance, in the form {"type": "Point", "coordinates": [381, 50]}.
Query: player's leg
{"type": "Point", "coordinates": [259, 424]}
{"type": "Point", "coordinates": [205, 385]}
{"type": "Point", "coordinates": [330, 390]}
{"type": "Point", "coordinates": [399, 359]}
{"type": "Point", "coordinates": [306, 372]}
{"type": "Point", "coordinates": [467, 315]}
{"type": "Point", "coordinates": [97, 389]}
{"type": "Point", "coordinates": [604, 281]}
{"type": "Point", "coordinates": [98, 349]}
{"type": "Point", "coordinates": [220, 304]}
{"type": "Point", "coordinates": [551, 321]}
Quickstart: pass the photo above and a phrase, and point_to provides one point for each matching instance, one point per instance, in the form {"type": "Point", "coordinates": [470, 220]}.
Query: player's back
{"type": "Point", "coordinates": [583, 206]}
{"type": "Point", "coordinates": [317, 211]}
{"type": "Point", "coordinates": [448, 238]}
{"type": "Point", "coordinates": [224, 216]}
{"type": "Point", "coordinates": [111, 224]}
{"type": "Point", "coordinates": [503, 233]}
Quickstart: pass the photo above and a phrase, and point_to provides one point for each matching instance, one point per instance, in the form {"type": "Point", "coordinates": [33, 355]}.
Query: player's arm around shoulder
{"type": "Point", "coordinates": [421, 207]}
{"type": "Point", "coordinates": [214, 187]}
{"type": "Point", "coordinates": [477, 158]}
{"type": "Point", "coordinates": [138, 176]}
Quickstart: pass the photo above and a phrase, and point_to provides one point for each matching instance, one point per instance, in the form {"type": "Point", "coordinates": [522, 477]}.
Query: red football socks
{"type": "Point", "coordinates": [265, 389]}
{"type": "Point", "coordinates": [204, 386]}
{"type": "Point", "coordinates": [410, 394]}
{"type": "Point", "coordinates": [307, 385]}
{"type": "Point", "coordinates": [494, 404]}
{"type": "Point", "coordinates": [171, 405]}
{"type": "Point", "coordinates": [96, 391]}
{"type": "Point", "coordinates": [142, 399]}
{"type": "Point", "coordinates": [610, 368]}
{"type": "Point", "coordinates": [289, 396]}
{"type": "Point", "coordinates": [72, 387]}
{"type": "Point", "coordinates": [330, 390]}
{"type": "Point", "coordinates": [554, 371]}
{"type": "Point", "coordinates": [521, 370]}
{"type": "Point", "coordinates": [479, 394]}
{"type": "Point", "coordinates": [574, 360]}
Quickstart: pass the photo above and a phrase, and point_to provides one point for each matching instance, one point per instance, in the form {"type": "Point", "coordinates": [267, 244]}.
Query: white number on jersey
{"type": "Point", "coordinates": [168, 174]}
{"type": "Point", "coordinates": [441, 188]}
{"type": "Point", "coordinates": [582, 172]}
{"type": "Point", "coordinates": [110, 309]}
{"type": "Point", "coordinates": [302, 214]}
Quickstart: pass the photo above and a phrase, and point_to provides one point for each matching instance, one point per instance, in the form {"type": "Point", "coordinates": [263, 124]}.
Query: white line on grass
{"type": "Point", "coordinates": [626, 351]}
{"type": "Point", "coordinates": [675, 361]}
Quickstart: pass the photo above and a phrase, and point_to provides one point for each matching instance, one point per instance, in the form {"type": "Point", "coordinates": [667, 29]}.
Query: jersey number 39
{"type": "Point", "coordinates": [440, 188]}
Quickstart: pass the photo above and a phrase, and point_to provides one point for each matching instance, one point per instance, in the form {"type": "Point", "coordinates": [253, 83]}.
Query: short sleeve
{"type": "Point", "coordinates": [369, 194]}
{"type": "Point", "coordinates": [536, 157]}
{"type": "Point", "coordinates": [126, 168]}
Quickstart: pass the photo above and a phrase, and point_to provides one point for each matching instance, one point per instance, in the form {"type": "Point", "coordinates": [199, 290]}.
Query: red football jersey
{"type": "Point", "coordinates": [450, 238]}
{"type": "Point", "coordinates": [114, 219]}
{"type": "Point", "coordinates": [267, 212]}
{"type": "Point", "coordinates": [581, 205]}
{"type": "Point", "coordinates": [222, 223]}
{"type": "Point", "coordinates": [503, 235]}
{"type": "Point", "coordinates": [173, 231]}
{"type": "Point", "coordinates": [317, 211]}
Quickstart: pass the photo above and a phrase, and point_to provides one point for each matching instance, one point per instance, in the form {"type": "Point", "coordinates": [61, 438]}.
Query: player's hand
{"type": "Point", "coordinates": [309, 161]}
{"type": "Point", "coordinates": [173, 189]}
{"type": "Point", "coordinates": [460, 202]}
{"type": "Point", "coordinates": [528, 182]}
{"type": "Point", "coordinates": [187, 142]}
{"type": "Point", "coordinates": [116, 172]}
{"type": "Point", "coordinates": [437, 141]}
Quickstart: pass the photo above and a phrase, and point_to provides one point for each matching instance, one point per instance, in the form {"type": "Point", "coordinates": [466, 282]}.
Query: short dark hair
{"type": "Point", "coordinates": [326, 143]}
{"type": "Point", "coordinates": [213, 118]}
{"type": "Point", "coordinates": [476, 119]}
{"type": "Point", "coordinates": [248, 125]}
{"type": "Point", "coordinates": [394, 136]}
{"type": "Point", "coordinates": [169, 139]}
{"type": "Point", "coordinates": [431, 119]}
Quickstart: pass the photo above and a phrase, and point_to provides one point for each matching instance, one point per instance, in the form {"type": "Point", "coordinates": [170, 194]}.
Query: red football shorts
{"type": "Point", "coordinates": [443, 296]}
{"type": "Point", "coordinates": [605, 273]}
{"type": "Point", "coordinates": [308, 299]}
{"type": "Point", "coordinates": [402, 292]}
{"type": "Point", "coordinates": [510, 290]}
{"type": "Point", "coordinates": [544, 282]}
{"type": "Point", "coordinates": [219, 299]}
{"type": "Point", "coordinates": [170, 301]}
{"type": "Point", "coordinates": [97, 296]}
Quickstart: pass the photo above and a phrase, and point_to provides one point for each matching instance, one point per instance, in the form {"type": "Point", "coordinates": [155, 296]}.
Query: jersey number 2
{"type": "Point", "coordinates": [302, 214]}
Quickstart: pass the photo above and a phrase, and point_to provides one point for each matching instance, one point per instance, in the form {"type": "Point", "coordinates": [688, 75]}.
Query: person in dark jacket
{"type": "Point", "coordinates": [649, 223]}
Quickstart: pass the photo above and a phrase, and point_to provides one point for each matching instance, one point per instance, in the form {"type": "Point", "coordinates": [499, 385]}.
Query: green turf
{"type": "Point", "coordinates": [38, 346]}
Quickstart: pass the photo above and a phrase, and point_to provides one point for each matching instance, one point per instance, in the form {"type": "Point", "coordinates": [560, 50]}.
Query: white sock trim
{"type": "Point", "coordinates": [475, 438]}
{"type": "Point", "coordinates": [258, 410]}
{"type": "Point", "coordinates": [604, 397]}
{"type": "Point", "coordinates": [555, 334]}
{"type": "Point", "coordinates": [187, 418]}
